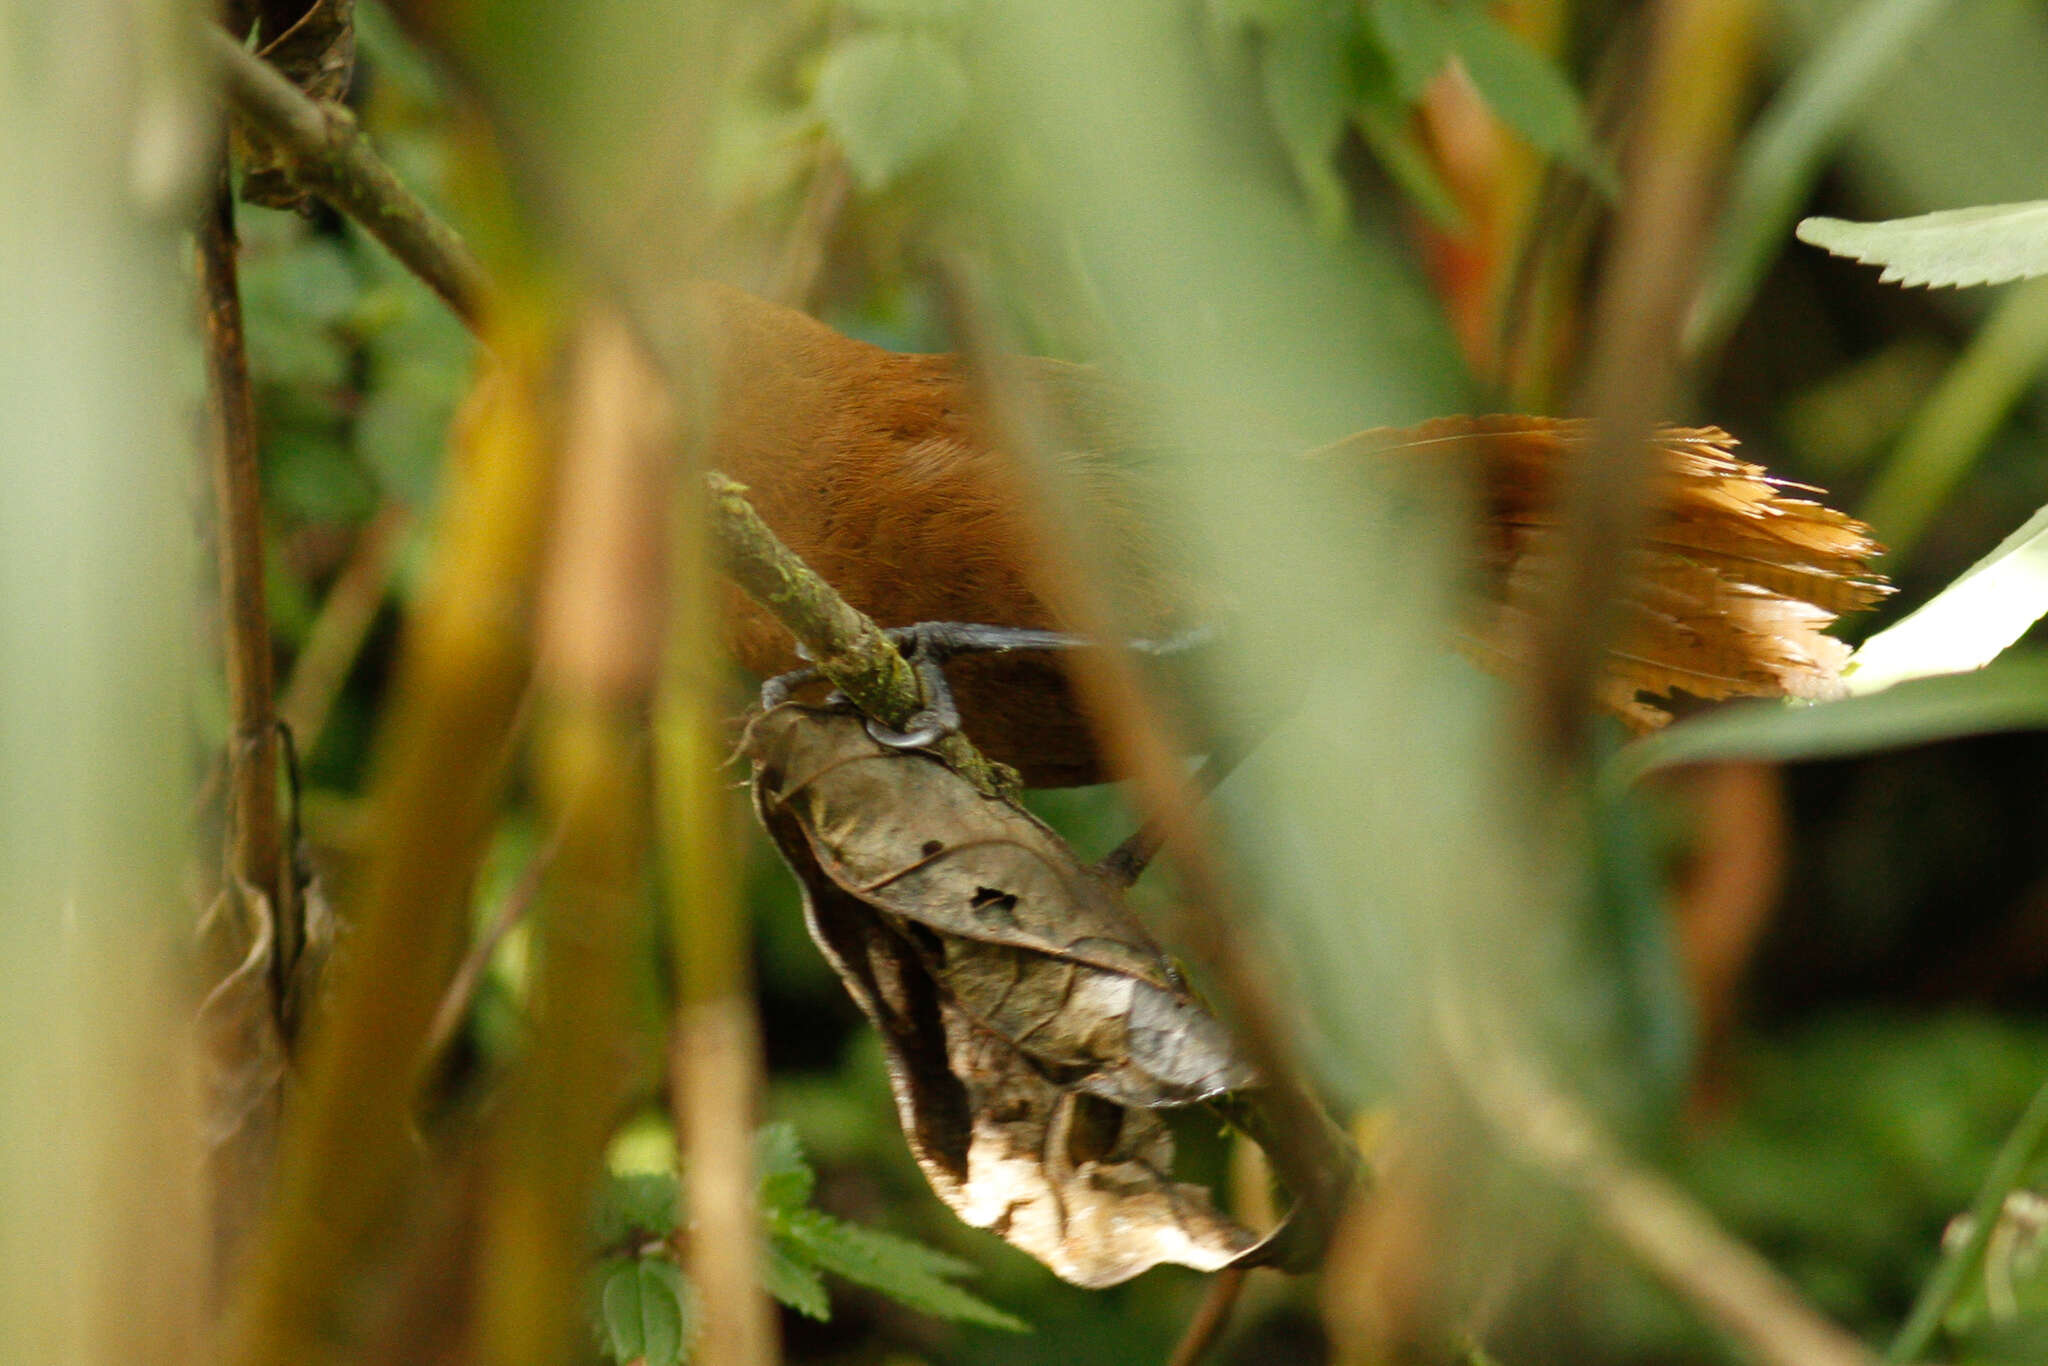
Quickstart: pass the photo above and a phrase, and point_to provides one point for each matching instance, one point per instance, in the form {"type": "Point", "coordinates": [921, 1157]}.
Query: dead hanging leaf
{"type": "Point", "coordinates": [1032, 1026]}
{"type": "Point", "coordinates": [313, 43]}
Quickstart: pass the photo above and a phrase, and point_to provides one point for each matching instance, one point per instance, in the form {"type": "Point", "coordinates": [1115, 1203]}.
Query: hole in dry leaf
{"type": "Point", "coordinates": [986, 897]}
{"type": "Point", "coordinates": [1094, 1130]}
{"type": "Point", "coordinates": [933, 847]}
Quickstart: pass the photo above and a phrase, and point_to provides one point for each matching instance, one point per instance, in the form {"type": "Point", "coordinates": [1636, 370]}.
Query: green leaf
{"type": "Point", "coordinates": [891, 98]}
{"type": "Point", "coordinates": [640, 1204]}
{"type": "Point", "coordinates": [906, 1271]}
{"type": "Point", "coordinates": [1529, 93]}
{"type": "Point", "coordinates": [1416, 37]}
{"type": "Point", "coordinates": [1985, 245]}
{"type": "Point", "coordinates": [1782, 156]}
{"type": "Point", "coordinates": [2010, 695]}
{"type": "Point", "coordinates": [1386, 124]}
{"type": "Point", "coordinates": [1967, 624]}
{"type": "Point", "coordinates": [786, 1178]}
{"type": "Point", "coordinates": [1306, 79]}
{"type": "Point", "coordinates": [647, 1312]}
{"type": "Point", "coordinates": [793, 1282]}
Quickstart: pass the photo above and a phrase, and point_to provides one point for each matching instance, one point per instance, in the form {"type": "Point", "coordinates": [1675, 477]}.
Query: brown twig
{"type": "Point", "coordinates": [1212, 1316]}
{"type": "Point", "coordinates": [257, 861]}
{"type": "Point", "coordinates": [336, 638]}
{"type": "Point", "coordinates": [322, 150]}
{"type": "Point", "coordinates": [600, 613]}
{"type": "Point", "coordinates": [1723, 1278]}
{"type": "Point", "coordinates": [1699, 62]}
{"type": "Point", "coordinates": [715, 1060]}
{"type": "Point", "coordinates": [463, 667]}
{"type": "Point", "coordinates": [463, 986]}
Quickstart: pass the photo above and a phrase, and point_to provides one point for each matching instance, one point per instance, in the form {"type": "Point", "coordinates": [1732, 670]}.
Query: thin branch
{"type": "Point", "coordinates": [1313, 1158]}
{"type": "Point", "coordinates": [1212, 1316]}
{"type": "Point", "coordinates": [463, 667]}
{"type": "Point", "coordinates": [321, 149]}
{"type": "Point", "coordinates": [1723, 1278]}
{"type": "Point", "coordinates": [715, 1058]}
{"type": "Point", "coordinates": [257, 860]}
{"type": "Point", "coordinates": [468, 978]}
{"type": "Point", "coordinates": [336, 639]}
{"type": "Point", "coordinates": [843, 644]}
{"type": "Point", "coordinates": [1699, 60]}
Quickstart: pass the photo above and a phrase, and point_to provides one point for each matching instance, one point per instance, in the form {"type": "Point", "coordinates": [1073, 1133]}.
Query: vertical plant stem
{"type": "Point", "coordinates": [256, 854]}
{"type": "Point", "coordinates": [716, 1060]}
{"type": "Point", "coordinates": [2021, 1149]}
{"type": "Point", "coordinates": [600, 611]}
{"type": "Point", "coordinates": [1699, 66]}
{"type": "Point", "coordinates": [439, 765]}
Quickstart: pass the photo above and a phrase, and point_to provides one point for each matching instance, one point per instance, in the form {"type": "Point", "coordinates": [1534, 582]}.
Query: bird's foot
{"type": "Point", "coordinates": [927, 645]}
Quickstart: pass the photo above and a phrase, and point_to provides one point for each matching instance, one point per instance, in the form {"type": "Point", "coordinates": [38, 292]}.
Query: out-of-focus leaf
{"type": "Point", "coordinates": [1782, 155]}
{"type": "Point", "coordinates": [907, 1272]}
{"type": "Point", "coordinates": [1304, 70]}
{"type": "Point", "coordinates": [1416, 36]}
{"type": "Point", "coordinates": [1032, 1025]}
{"type": "Point", "coordinates": [635, 1205]}
{"type": "Point", "coordinates": [892, 98]}
{"type": "Point", "coordinates": [786, 1178]}
{"type": "Point", "coordinates": [2010, 695]}
{"type": "Point", "coordinates": [1529, 93]}
{"type": "Point", "coordinates": [1261, 14]}
{"type": "Point", "coordinates": [1969, 623]}
{"type": "Point", "coordinates": [1988, 244]}
{"type": "Point", "coordinates": [1858, 1138]}
{"type": "Point", "coordinates": [647, 1312]}
{"type": "Point", "coordinates": [1383, 119]}
{"type": "Point", "coordinates": [908, 11]}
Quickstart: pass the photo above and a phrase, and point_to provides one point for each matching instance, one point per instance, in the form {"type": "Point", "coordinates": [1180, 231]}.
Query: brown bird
{"type": "Point", "coordinates": [878, 468]}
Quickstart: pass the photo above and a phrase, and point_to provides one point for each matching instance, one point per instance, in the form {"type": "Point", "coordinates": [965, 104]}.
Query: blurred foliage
{"type": "Point", "coordinates": [1852, 1128]}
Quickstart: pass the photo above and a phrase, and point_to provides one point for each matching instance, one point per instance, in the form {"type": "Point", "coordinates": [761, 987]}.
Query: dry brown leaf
{"type": "Point", "coordinates": [1032, 1027]}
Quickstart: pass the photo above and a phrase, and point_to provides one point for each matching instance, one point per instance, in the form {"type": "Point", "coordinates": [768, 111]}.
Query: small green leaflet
{"type": "Point", "coordinates": [1985, 245]}
{"type": "Point", "coordinates": [905, 1271]}
{"type": "Point", "coordinates": [892, 98]}
{"type": "Point", "coordinates": [647, 1311]}
{"type": "Point", "coordinates": [793, 1283]}
{"type": "Point", "coordinates": [803, 1241]}
{"type": "Point", "coordinates": [645, 1305]}
{"type": "Point", "coordinates": [786, 1178]}
{"type": "Point", "coordinates": [1969, 623]}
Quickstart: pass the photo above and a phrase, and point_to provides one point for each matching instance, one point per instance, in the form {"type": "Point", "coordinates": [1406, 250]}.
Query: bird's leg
{"type": "Point", "coordinates": [927, 645]}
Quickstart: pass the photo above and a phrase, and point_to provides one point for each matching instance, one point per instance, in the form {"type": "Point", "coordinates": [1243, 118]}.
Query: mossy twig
{"type": "Point", "coordinates": [843, 644]}
{"type": "Point", "coordinates": [321, 149]}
